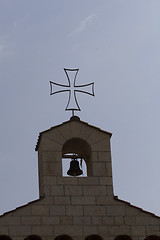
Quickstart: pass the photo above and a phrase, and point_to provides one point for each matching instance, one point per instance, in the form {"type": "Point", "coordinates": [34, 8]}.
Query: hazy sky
{"type": "Point", "coordinates": [114, 43]}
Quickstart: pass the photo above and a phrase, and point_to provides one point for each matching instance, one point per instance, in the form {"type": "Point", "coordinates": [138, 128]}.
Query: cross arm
{"type": "Point", "coordinates": [86, 88]}
{"type": "Point", "coordinates": [57, 88]}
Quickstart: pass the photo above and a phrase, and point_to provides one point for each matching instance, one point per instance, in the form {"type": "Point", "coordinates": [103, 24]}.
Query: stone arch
{"type": "Point", "coordinates": [94, 237]}
{"type": "Point", "coordinates": [123, 237]}
{"type": "Point", "coordinates": [5, 237]}
{"type": "Point", "coordinates": [33, 237]}
{"type": "Point", "coordinates": [81, 148]}
{"type": "Point", "coordinates": [152, 237]}
{"type": "Point", "coordinates": [63, 237]}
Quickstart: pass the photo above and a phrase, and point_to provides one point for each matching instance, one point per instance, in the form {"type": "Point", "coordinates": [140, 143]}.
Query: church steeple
{"type": "Point", "coordinates": [77, 138]}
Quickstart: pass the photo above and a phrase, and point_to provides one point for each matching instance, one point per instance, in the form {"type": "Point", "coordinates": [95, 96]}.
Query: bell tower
{"type": "Point", "coordinates": [74, 139]}
{"type": "Point", "coordinates": [77, 206]}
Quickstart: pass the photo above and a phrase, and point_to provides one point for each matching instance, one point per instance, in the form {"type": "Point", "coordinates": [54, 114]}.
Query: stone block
{"type": "Point", "coordinates": [5, 220]}
{"type": "Point", "coordinates": [138, 231]}
{"type": "Point", "coordinates": [118, 230]}
{"type": "Point", "coordinates": [110, 191]}
{"type": "Point", "coordinates": [88, 230]}
{"type": "Point", "coordinates": [48, 156]}
{"type": "Point", "coordinates": [67, 180]}
{"type": "Point", "coordinates": [96, 221]}
{"type": "Point", "coordinates": [88, 180]}
{"type": "Point", "coordinates": [97, 136]}
{"type": "Point", "coordinates": [4, 230]}
{"type": "Point", "coordinates": [81, 221]}
{"type": "Point", "coordinates": [30, 220]}
{"type": "Point", "coordinates": [62, 200]}
{"type": "Point", "coordinates": [83, 200]}
{"type": "Point", "coordinates": [106, 200]}
{"type": "Point", "coordinates": [79, 238]}
{"type": "Point", "coordinates": [58, 156]}
{"type": "Point", "coordinates": [57, 190]}
{"type": "Point", "coordinates": [65, 131]}
{"type": "Point", "coordinates": [23, 211]}
{"type": "Point", "coordinates": [40, 210]}
{"type": "Point", "coordinates": [94, 156]}
{"type": "Point", "coordinates": [57, 210]}
{"type": "Point", "coordinates": [48, 145]}
{"type": "Point", "coordinates": [101, 146]}
{"type": "Point", "coordinates": [46, 200]}
{"type": "Point", "coordinates": [47, 190]}
{"type": "Point", "coordinates": [55, 136]}
{"type": "Point", "coordinates": [104, 157]}
{"type": "Point", "coordinates": [50, 180]}
{"type": "Point", "coordinates": [18, 231]}
{"type": "Point", "coordinates": [66, 220]}
{"type": "Point", "coordinates": [94, 211]}
{"type": "Point", "coordinates": [114, 230]}
{"type": "Point", "coordinates": [108, 170]}
{"type": "Point", "coordinates": [8, 214]}
{"type": "Point", "coordinates": [18, 238]}
{"type": "Point", "coordinates": [52, 168]}
{"type": "Point", "coordinates": [108, 221]}
{"type": "Point", "coordinates": [142, 221]}
{"type": "Point", "coordinates": [69, 230]}
{"type": "Point", "coordinates": [99, 169]}
{"type": "Point", "coordinates": [74, 211]}
{"type": "Point", "coordinates": [73, 190]}
{"type": "Point", "coordinates": [132, 211]}
{"type": "Point", "coordinates": [75, 128]}
{"type": "Point", "coordinates": [130, 220]}
{"type": "Point", "coordinates": [154, 220]}
{"type": "Point", "coordinates": [118, 221]}
{"type": "Point", "coordinates": [86, 131]}
{"type": "Point", "coordinates": [105, 231]}
{"type": "Point", "coordinates": [153, 230]}
{"type": "Point", "coordinates": [94, 190]}
{"type": "Point", "coordinates": [106, 181]}
{"type": "Point", "coordinates": [50, 220]}
{"type": "Point", "coordinates": [42, 230]}
{"type": "Point", "coordinates": [115, 211]}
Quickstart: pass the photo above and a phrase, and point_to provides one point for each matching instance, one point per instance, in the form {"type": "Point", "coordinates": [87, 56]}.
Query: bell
{"type": "Point", "coordinates": [74, 169]}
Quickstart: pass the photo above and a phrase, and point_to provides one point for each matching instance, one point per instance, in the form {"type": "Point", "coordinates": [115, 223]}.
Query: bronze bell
{"type": "Point", "coordinates": [74, 169]}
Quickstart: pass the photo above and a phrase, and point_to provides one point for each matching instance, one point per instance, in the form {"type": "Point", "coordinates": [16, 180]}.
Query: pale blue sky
{"type": "Point", "coordinates": [116, 44]}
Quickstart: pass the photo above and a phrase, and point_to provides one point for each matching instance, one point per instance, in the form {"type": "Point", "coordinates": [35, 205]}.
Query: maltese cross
{"type": "Point", "coordinates": [72, 88]}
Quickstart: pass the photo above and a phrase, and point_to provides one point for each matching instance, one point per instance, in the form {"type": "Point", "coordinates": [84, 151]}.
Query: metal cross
{"type": "Point", "coordinates": [72, 88]}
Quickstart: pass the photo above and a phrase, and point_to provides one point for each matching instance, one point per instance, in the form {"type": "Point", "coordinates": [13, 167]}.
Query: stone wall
{"type": "Point", "coordinates": [77, 206]}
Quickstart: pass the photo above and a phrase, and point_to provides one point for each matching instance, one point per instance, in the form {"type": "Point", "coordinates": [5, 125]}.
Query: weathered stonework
{"type": "Point", "coordinates": [77, 206]}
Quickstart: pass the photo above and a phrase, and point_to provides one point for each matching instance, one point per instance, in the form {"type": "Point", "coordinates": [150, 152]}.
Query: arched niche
{"type": "Point", "coordinates": [63, 237]}
{"type": "Point", "coordinates": [33, 237]}
{"type": "Point", "coordinates": [5, 237]}
{"type": "Point", "coordinates": [94, 237]}
{"type": "Point", "coordinates": [81, 148]}
{"type": "Point", "coordinates": [123, 237]}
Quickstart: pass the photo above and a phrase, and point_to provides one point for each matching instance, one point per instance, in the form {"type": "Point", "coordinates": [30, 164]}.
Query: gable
{"type": "Point", "coordinates": [73, 128]}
